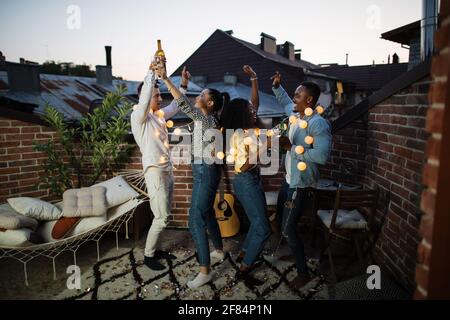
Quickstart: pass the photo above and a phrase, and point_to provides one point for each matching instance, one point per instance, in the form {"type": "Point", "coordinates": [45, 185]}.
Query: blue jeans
{"type": "Point", "coordinates": [201, 214]}
{"type": "Point", "coordinates": [249, 191]}
{"type": "Point", "coordinates": [288, 219]}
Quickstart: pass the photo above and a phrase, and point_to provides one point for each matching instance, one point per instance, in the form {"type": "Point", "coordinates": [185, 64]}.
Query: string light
{"type": "Point", "coordinates": [248, 141]}
{"type": "Point", "coordinates": [220, 155]}
{"type": "Point", "coordinates": [303, 124]}
{"type": "Point", "coordinates": [299, 149]}
{"type": "Point", "coordinates": [160, 113]}
{"type": "Point", "coordinates": [169, 124]}
{"type": "Point", "coordinates": [301, 166]}
{"type": "Point", "coordinates": [270, 133]}
{"type": "Point", "coordinates": [177, 131]}
{"type": "Point", "coordinates": [308, 111]}
{"type": "Point", "coordinates": [309, 140]}
{"type": "Point", "coordinates": [230, 158]}
{"type": "Point", "coordinates": [320, 109]}
{"type": "Point", "coordinates": [293, 120]}
{"type": "Point", "coordinates": [233, 151]}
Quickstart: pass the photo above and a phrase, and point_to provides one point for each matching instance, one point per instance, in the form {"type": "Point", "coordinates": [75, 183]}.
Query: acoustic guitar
{"type": "Point", "coordinates": [226, 216]}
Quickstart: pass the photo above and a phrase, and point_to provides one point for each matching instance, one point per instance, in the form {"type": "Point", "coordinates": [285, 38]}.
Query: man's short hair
{"type": "Point", "coordinates": [313, 90]}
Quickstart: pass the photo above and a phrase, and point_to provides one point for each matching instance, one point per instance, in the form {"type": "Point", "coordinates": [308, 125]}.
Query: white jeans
{"type": "Point", "coordinates": [159, 183]}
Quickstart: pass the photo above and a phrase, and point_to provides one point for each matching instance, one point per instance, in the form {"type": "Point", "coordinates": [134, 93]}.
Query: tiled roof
{"type": "Point", "coordinates": [73, 95]}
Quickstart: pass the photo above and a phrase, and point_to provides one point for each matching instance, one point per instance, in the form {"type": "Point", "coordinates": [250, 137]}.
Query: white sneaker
{"type": "Point", "coordinates": [216, 254]}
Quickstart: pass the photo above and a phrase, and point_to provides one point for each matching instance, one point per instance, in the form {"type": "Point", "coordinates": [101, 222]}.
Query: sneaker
{"type": "Point", "coordinates": [248, 279]}
{"type": "Point", "coordinates": [153, 263]}
{"type": "Point", "coordinates": [161, 254]}
{"type": "Point", "coordinates": [299, 281]}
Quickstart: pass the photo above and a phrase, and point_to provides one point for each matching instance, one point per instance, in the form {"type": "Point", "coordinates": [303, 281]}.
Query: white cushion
{"type": "Point", "coordinates": [118, 191]}
{"type": "Point", "coordinates": [15, 238]}
{"type": "Point", "coordinates": [87, 223]}
{"type": "Point", "coordinates": [84, 202]}
{"type": "Point", "coordinates": [345, 219]}
{"type": "Point", "coordinates": [271, 198]}
{"type": "Point", "coordinates": [10, 219]}
{"type": "Point", "coordinates": [35, 208]}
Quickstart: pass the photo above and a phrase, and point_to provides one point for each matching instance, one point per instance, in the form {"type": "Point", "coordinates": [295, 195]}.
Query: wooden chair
{"type": "Point", "coordinates": [351, 218]}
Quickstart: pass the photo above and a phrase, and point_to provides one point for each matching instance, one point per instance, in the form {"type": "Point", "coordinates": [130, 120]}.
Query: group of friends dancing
{"type": "Point", "coordinates": [214, 110]}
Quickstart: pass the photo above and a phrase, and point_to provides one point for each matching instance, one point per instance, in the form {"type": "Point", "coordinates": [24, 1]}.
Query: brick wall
{"type": "Point", "coordinates": [385, 149]}
{"type": "Point", "coordinates": [433, 171]}
{"type": "Point", "coordinates": [20, 169]}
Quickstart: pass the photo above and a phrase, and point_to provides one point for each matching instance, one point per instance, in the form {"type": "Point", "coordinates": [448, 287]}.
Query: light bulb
{"type": "Point", "coordinates": [308, 111]}
{"type": "Point", "coordinates": [169, 124]}
{"type": "Point", "coordinates": [160, 113]}
{"type": "Point", "coordinates": [220, 155]}
{"type": "Point", "coordinates": [177, 131]}
{"type": "Point", "coordinates": [301, 166]}
{"type": "Point", "coordinates": [269, 133]}
{"type": "Point", "coordinates": [230, 158]}
{"type": "Point", "coordinates": [309, 140]}
{"type": "Point", "coordinates": [320, 109]}
{"type": "Point", "coordinates": [293, 120]}
{"type": "Point", "coordinates": [233, 151]}
{"type": "Point", "coordinates": [299, 149]}
{"type": "Point", "coordinates": [248, 141]}
{"type": "Point", "coordinates": [303, 124]}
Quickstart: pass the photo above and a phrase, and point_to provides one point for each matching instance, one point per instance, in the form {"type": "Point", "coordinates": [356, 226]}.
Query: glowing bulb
{"type": "Point", "coordinates": [293, 120]}
{"type": "Point", "coordinates": [230, 158]}
{"type": "Point", "coordinates": [309, 140]}
{"type": "Point", "coordinates": [177, 131]}
{"type": "Point", "coordinates": [248, 141]}
{"type": "Point", "coordinates": [162, 159]}
{"type": "Point", "coordinates": [320, 109]}
{"type": "Point", "coordinates": [160, 114]}
{"type": "Point", "coordinates": [269, 133]}
{"type": "Point", "coordinates": [308, 111]}
{"type": "Point", "coordinates": [233, 151]}
{"type": "Point", "coordinates": [257, 132]}
{"type": "Point", "coordinates": [220, 155]}
{"type": "Point", "coordinates": [299, 149]}
{"type": "Point", "coordinates": [156, 133]}
{"type": "Point", "coordinates": [169, 124]}
{"type": "Point", "coordinates": [301, 166]}
{"type": "Point", "coordinates": [303, 124]}
{"type": "Point", "coordinates": [166, 144]}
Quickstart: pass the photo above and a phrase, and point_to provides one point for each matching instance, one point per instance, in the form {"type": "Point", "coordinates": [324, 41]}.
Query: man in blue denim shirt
{"type": "Point", "coordinates": [293, 193]}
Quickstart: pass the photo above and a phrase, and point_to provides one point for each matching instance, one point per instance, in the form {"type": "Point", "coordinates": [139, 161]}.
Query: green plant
{"type": "Point", "coordinates": [96, 144]}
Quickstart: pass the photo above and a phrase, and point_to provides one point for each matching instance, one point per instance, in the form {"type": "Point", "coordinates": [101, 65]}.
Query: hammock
{"type": "Point", "coordinates": [53, 249]}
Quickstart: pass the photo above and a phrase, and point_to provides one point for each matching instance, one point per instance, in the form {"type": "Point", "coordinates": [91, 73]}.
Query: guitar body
{"type": "Point", "coordinates": [226, 215]}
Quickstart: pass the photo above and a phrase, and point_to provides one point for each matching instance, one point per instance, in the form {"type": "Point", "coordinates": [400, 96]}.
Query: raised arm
{"type": "Point", "coordinates": [281, 95]}
{"type": "Point", "coordinates": [172, 109]}
{"type": "Point", "coordinates": [143, 107]}
{"type": "Point", "coordinates": [180, 99]}
{"type": "Point", "coordinates": [254, 80]}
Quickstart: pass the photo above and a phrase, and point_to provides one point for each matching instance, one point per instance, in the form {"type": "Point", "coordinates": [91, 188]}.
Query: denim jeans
{"type": "Point", "coordinates": [201, 214]}
{"type": "Point", "coordinates": [288, 219]}
{"type": "Point", "coordinates": [249, 191]}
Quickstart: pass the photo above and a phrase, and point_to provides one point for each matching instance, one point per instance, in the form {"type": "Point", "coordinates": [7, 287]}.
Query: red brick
{"type": "Point", "coordinates": [10, 157]}
{"type": "Point", "coordinates": [430, 175]}
{"type": "Point", "coordinates": [30, 129]}
{"type": "Point", "coordinates": [440, 65]}
{"type": "Point", "coordinates": [10, 130]}
{"type": "Point", "coordinates": [4, 123]}
{"type": "Point", "coordinates": [435, 119]}
{"type": "Point", "coordinates": [9, 170]}
{"type": "Point", "coordinates": [433, 148]}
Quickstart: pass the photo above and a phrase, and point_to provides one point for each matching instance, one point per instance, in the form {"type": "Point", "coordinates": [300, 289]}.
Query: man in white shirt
{"type": "Point", "coordinates": [148, 124]}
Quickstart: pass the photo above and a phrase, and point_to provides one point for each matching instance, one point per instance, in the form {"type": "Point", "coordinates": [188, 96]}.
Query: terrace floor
{"type": "Point", "coordinates": [121, 274]}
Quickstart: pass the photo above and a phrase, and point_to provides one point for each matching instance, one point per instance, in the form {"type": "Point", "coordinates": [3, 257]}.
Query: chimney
{"type": "Point", "coordinates": [428, 26]}
{"type": "Point", "coordinates": [268, 43]}
{"type": "Point", "coordinates": [108, 55]}
{"type": "Point", "coordinates": [298, 54]}
{"type": "Point", "coordinates": [230, 79]}
{"type": "Point", "coordinates": [23, 77]}
{"type": "Point", "coordinates": [288, 50]}
{"type": "Point", "coordinates": [104, 73]}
